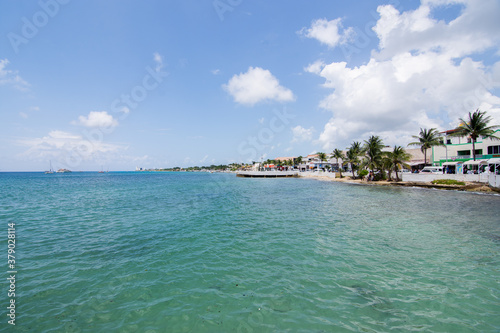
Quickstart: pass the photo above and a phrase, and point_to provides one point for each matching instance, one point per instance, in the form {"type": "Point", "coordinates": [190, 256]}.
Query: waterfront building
{"type": "Point", "coordinates": [312, 163]}
{"type": "Point", "coordinates": [417, 161]}
{"type": "Point", "coordinates": [284, 159]}
{"type": "Point", "coordinates": [456, 153]}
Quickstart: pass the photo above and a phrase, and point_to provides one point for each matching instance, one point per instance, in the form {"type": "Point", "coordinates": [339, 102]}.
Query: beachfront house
{"type": "Point", "coordinates": [312, 163]}
{"type": "Point", "coordinates": [308, 162]}
{"type": "Point", "coordinates": [457, 158]}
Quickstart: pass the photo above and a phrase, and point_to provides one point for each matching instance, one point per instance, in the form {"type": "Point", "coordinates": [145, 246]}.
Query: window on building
{"type": "Point", "coordinates": [479, 152]}
{"type": "Point", "coordinates": [448, 141]}
{"type": "Point", "coordinates": [493, 150]}
{"type": "Point", "coordinates": [469, 140]}
{"type": "Point", "coordinates": [463, 153]}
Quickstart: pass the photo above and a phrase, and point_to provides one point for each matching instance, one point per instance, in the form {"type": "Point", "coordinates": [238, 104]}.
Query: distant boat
{"type": "Point", "coordinates": [63, 171]}
{"type": "Point", "coordinates": [102, 171]}
{"type": "Point", "coordinates": [50, 170]}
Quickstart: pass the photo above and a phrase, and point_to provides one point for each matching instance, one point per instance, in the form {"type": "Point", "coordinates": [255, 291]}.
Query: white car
{"type": "Point", "coordinates": [432, 170]}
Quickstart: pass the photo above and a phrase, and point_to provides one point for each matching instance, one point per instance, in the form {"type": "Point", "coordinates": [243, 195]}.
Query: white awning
{"type": "Point", "coordinates": [476, 162]}
{"type": "Point", "coordinates": [450, 163]}
{"type": "Point", "coordinates": [494, 161]}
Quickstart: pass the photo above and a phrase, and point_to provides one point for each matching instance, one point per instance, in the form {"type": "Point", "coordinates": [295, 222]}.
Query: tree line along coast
{"type": "Point", "coordinates": [371, 158]}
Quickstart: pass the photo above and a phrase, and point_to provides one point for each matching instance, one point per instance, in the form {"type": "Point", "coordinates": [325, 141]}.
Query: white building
{"type": "Point", "coordinates": [457, 156]}
{"type": "Point", "coordinates": [313, 163]}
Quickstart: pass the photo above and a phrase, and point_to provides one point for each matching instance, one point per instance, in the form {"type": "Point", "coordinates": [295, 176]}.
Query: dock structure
{"type": "Point", "coordinates": [267, 174]}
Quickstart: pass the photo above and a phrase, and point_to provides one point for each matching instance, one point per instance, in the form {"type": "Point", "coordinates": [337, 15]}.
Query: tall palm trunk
{"type": "Point", "coordinates": [474, 149]}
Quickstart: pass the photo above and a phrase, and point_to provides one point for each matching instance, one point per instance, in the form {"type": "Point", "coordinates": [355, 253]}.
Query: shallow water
{"type": "Point", "coordinates": [200, 252]}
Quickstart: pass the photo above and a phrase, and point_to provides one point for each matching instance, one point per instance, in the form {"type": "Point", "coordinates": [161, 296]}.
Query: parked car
{"type": "Point", "coordinates": [432, 170]}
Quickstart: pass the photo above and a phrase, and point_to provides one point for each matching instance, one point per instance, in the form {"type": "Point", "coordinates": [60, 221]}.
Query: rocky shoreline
{"type": "Point", "coordinates": [468, 187]}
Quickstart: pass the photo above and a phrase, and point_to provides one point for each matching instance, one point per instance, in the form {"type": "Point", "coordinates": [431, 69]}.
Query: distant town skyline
{"type": "Point", "coordinates": [91, 85]}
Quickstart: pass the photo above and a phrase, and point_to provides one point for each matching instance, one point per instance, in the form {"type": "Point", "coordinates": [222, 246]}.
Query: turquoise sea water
{"type": "Point", "coordinates": [200, 252]}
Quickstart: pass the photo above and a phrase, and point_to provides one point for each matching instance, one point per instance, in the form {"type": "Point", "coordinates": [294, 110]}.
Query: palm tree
{"type": "Point", "coordinates": [397, 158]}
{"type": "Point", "coordinates": [386, 165]}
{"type": "Point", "coordinates": [352, 156]}
{"type": "Point", "coordinates": [337, 153]}
{"type": "Point", "coordinates": [426, 139]}
{"type": "Point", "coordinates": [356, 147]}
{"type": "Point", "coordinates": [269, 161]}
{"type": "Point", "coordinates": [373, 150]}
{"type": "Point", "coordinates": [476, 126]}
{"type": "Point", "coordinates": [321, 157]}
{"type": "Point", "coordinates": [298, 160]}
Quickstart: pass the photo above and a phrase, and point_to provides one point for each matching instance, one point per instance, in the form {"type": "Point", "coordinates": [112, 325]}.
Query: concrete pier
{"type": "Point", "coordinates": [267, 174]}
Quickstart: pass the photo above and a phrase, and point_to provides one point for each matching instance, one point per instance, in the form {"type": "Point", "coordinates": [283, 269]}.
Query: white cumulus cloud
{"type": "Point", "coordinates": [426, 73]}
{"type": "Point", "coordinates": [61, 144]}
{"type": "Point", "coordinates": [328, 32]}
{"type": "Point", "coordinates": [98, 119]}
{"type": "Point", "coordinates": [257, 85]}
{"type": "Point", "coordinates": [475, 30]}
{"type": "Point", "coordinates": [11, 77]}
{"type": "Point", "coordinates": [301, 134]}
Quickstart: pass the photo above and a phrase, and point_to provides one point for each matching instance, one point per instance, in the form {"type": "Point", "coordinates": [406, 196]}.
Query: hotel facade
{"type": "Point", "coordinates": [457, 152]}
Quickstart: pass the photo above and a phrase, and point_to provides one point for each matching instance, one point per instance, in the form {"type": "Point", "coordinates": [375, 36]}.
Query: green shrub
{"type": "Point", "coordinates": [363, 173]}
{"type": "Point", "coordinates": [379, 176]}
{"type": "Point", "coordinates": [447, 182]}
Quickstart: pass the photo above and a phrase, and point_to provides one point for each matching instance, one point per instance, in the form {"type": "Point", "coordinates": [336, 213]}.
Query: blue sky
{"type": "Point", "coordinates": [119, 84]}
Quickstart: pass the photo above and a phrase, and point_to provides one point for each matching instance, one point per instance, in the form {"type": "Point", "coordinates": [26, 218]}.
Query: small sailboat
{"type": "Point", "coordinates": [102, 170]}
{"type": "Point", "coordinates": [50, 170]}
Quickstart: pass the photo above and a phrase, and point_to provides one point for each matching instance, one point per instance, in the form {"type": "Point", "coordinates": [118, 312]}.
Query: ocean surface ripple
{"type": "Point", "coordinates": [201, 252]}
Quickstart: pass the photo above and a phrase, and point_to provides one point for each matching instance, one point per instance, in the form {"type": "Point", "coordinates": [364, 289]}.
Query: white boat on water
{"type": "Point", "coordinates": [50, 170]}
{"type": "Point", "coordinates": [63, 171]}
